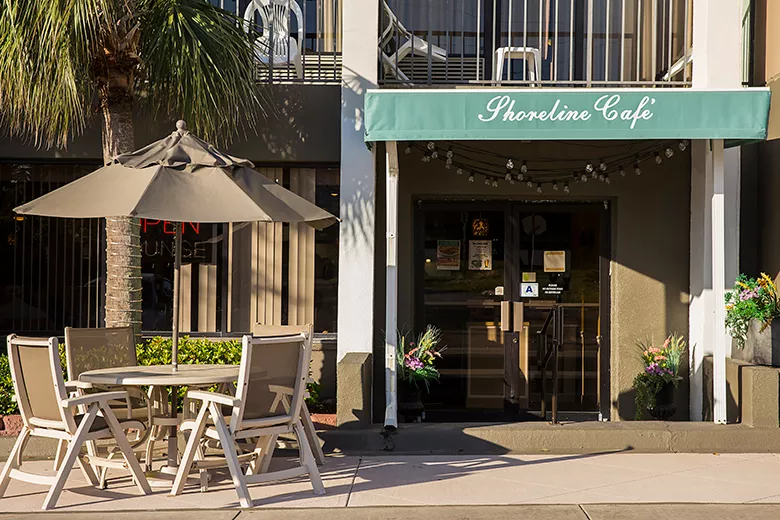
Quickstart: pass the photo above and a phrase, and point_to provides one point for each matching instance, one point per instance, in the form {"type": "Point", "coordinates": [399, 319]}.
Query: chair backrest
{"type": "Point", "coordinates": [262, 331]}
{"type": "Point", "coordinates": [268, 365]}
{"type": "Point", "coordinates": [38, 382]}
{"type": "Point", "coordinates": [275, 22]}
{"type": "Point", "coordinates": [92, 349]}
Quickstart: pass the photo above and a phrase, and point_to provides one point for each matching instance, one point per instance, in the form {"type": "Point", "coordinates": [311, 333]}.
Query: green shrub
{"type": "Point", "coordinates": [157, 351]}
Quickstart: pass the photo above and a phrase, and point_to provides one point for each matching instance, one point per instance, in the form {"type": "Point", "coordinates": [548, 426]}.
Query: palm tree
{"type": "Point", "coordinates": [63, 61]}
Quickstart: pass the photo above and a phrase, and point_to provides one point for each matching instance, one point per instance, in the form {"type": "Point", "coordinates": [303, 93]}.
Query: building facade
{"type": "Point", "coordinates": [493, 162]}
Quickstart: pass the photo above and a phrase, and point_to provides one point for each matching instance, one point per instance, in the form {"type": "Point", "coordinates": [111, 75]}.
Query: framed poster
{"type": "Point", "coordinates": [555, 261]}
{"type": "Point", "coordinates": [480, 255]}
{"type": "Point", "coordinates": [448, 255]}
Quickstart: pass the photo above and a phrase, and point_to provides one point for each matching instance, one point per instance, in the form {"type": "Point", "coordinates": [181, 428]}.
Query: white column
{"type": "Point", "coordinates": [717, 44]}
{"type": "Point", "coordinates": [391, 304]}
{"type": "Point", "coordinates": [356, 240]}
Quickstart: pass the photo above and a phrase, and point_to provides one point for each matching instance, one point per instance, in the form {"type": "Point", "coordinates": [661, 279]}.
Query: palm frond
{"type": "Point", "coordinates": [46, 51]}
{"type": "Point", "coordinates": [198, 64]}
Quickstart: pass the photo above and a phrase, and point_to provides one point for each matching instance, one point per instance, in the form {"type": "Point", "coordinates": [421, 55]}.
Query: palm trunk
{"type": "Point", "coordinates": [123, 240]}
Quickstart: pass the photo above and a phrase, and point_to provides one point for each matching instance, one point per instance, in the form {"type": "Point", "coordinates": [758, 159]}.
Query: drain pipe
{"type": "Point", "coordinates": [391, 298]}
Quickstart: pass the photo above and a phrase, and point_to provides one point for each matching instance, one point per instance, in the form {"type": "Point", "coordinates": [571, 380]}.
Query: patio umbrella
{"type": "Point", "coordinates": [179, 179]}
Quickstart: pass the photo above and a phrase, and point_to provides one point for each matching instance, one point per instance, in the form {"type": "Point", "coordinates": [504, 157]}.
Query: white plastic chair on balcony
{"type": "Point", "coordinates": [530, 55]}
{"type": "Point", "coordinates": [276, 46]}
{"type": "Point", "coordinates": [411, 45]}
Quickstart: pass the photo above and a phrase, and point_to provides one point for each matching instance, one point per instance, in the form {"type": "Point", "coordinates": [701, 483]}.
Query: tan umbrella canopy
{"type": "Point", "coordinates": [180, 179]}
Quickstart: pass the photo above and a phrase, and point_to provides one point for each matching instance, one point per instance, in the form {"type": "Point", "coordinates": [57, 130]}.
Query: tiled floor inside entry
{"type": "Point", "coordinates": [453, 480]}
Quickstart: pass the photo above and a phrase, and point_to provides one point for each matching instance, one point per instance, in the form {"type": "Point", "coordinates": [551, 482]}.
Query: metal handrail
{"type": "Point", "coordinates": [546, 352]}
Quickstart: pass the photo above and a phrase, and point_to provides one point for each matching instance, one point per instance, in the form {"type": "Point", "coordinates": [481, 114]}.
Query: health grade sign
{"type": "Point", "coordinates": [586, 114]}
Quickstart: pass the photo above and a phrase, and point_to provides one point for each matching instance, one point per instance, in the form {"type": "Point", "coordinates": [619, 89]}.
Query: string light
{"type": "Point", "coordinates": [658, 159]}
{"type": "Point", "coordinates": [435, 154]}
{"type": "Point", "coordinates": [471, 177]}
{"type": "Point", "coordinates": [487, 181]}
{"type": "Point", "coordinates": [449, 153]}
{"type": "Point", "coordinates": [603, 166]}
{"type": "Point", "coordinates": [595, 174]}
{"type": "Point", "coordinates": [637, 170]}
{"type": "Point", "coordinates": [495, 183]}
{"type": "Point", "coordinates": [538, 187]}
{"type": "Point", "coordinates": [520, 177]}
{"type": "Point", "coordinates": [589, 167]}
{"type": "Point", "coordinates": [566, 188]}
{"type": "Point", "coordinates": [508, 177]}
{"type": "Point", "coordinates": [607, 180]}
{"type": "Point", "coordinates": [622, 172]}
{"type": "Point", "coordinates": [510, 164]}
{"type": "Point", "coordinates": [524, 167]}
{"type": "Point", "coordinates": [448, 164]}
{"type": "Point", "coordinates": [602, 177]}
{"type": "Point", "coordinates": [431, 145]}
{"type": "Point", "coordinates": [530, 184]}
{"type": "Point", "coordinates": [668, 153]}
{"type": "Point", "coordinates": [555, 185]}
{"type": "Point", "coordinates": [683, 145]}
{"type": "Point", "coordinates": [459, 171]}
{"type": "Point", "coordinates": [426, 158]}
{"type": "Point", "coordinates": [408, 149]}
{"type": "Point", "coordinates": [584, 178]}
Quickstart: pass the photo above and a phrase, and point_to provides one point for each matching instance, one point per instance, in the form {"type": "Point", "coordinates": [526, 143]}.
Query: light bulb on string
{"type": "Point", "coordinates": [530, 184]}
{"type": "Point", "coordinates": [520, 177]}
{"type": "Point", "coordinates": [658, 159]}
{"type": "Point", "coordinates": [555, 186]}
{"type": "Point", "coordinates": [471, 177]}
{"type": "Point", "coordinates": [510, 164]}
{"type": "Point", "coordinates": [495, 183]}
{"type": "Point", "coordinates": [538, 187]}
{"type": "Point", "coordinates": [508, 177]}
{"type": "Point", "coordinates": [435, 154]}
{"type": "Point", "coordinates": [595, 174]}
{"type": "Point", "coordinates": [566, 188]}
{"type": "Point", "coordinates": [607, 180]}
{"type": "Point", "coordinates": [459, 171]}
{"type": "Point", "coordinates": [668, 153]}
{"type": "Point", "coordinates": [683, 145]}
{"type": "Point", "coordinates": [637, 170]}
{"type": "Point", "coordinates": [524, 167]}
{"type": "Point", "coordinates": [431, 145]}
{"type": "Point", "coordinates": [426, 158]}
{"type": "Point", "coordinates": [622, 172]}
{"type": "Point", "coordinates": [448, 163]}
{"type": "Point", "coordinates": [584, 178]}
{"type": "Point", "coordinates": [449, 153]}
{"type": "Point", "coordinates": [601, 177]}
{"type": "Point", "coordinates": [589, 167]}
{"type": "Point", "coordinates": [511, 181]}
{"type": "Point", "coordinates": [603, 166]}
{"type": "Point", "coordinates": [487, 181]}
{"type": "Point", "coordinates": [408, 149]}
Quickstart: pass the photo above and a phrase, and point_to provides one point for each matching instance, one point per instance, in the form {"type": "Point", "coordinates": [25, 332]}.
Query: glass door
{"type": "Point", "coordinates": [460, 289]}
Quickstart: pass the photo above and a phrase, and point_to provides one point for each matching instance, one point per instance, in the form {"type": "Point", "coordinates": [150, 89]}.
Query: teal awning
{"type": "Point", "coordinates": [563, 114]}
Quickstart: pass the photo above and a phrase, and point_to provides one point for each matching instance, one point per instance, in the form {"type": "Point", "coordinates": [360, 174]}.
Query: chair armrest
{"type": "Point", "coordinates": [278, 389]}
{"type": "Point", "coordinates": [77, 385]}
{"type": "Point", "coordinates": [213, 397]}
{"type": "Point", "coordinates": [100, 397]}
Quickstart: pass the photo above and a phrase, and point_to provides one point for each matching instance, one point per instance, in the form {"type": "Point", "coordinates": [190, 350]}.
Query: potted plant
{"type": "Point", "coordinates": [415, 367]}
{"type": "Point", "coordinates": [751, 308]}
{"type": "Point", "coordinates": [655, 385]}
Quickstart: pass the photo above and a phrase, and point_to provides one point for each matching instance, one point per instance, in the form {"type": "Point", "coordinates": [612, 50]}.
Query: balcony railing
{"type": "Point", "coordinates": [300, 40]}
{"type": "Point", "coordinates": [566, 43]}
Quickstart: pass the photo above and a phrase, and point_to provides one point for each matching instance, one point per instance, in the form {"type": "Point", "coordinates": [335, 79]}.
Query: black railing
{"type": "Point", "coordinates": [549, 342]}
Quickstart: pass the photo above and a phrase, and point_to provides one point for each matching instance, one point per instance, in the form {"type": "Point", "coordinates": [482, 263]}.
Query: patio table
{"type": "Point", "coordinates": [160, 376]}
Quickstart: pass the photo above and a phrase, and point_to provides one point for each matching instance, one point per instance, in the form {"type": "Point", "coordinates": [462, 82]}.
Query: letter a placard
{"type": "Point", "coordinates": [529, 290]}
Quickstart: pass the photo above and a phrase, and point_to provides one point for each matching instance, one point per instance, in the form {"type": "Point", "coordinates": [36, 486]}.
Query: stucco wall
{"type": "Point", "coordinates": [650, 244]}
{"type": "Point", "coordinates": [301, 126]}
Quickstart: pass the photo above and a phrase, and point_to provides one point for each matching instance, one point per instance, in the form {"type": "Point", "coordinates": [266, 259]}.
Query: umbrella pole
{"type": "Point", "coordinates": [176, 290]}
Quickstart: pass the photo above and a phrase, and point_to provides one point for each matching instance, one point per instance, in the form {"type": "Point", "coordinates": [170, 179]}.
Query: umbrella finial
{"type": "Point", "coordinates": [181, 126]}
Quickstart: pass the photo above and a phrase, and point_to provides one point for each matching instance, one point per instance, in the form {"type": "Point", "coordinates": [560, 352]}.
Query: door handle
{"type": "Point", "coordinates": [518, 316]}
{"type": "Point", "coordinates": [506, 311]}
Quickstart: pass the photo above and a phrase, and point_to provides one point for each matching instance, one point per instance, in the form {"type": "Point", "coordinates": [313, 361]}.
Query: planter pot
{"type": "Point", "coordinates": [410, 405]}
{"type": "Point", "coordinates": [664, 403]}
{"type": "Point", "coordinates": [761, 347]}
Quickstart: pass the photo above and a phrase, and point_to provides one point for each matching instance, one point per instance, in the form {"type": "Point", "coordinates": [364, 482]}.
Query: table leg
{"type": "Point", "coordinates": [173, 440]}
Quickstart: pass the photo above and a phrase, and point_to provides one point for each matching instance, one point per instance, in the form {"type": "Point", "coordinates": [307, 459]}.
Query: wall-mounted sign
{"type": "Point", "coordinates": [448, 255]}
{"type": "Point", "coordinates": [529, 277]}
{"type": "Point", "coordinates": [480, 227]}
{"type": "Point", "coordinates": [480, 255]}
{"type": "Point", "coordinates": [529, 290]}
{"type": "Point", "coordinates": [552, 289]}
{"type": "Point", "coordinates": [555, 261]}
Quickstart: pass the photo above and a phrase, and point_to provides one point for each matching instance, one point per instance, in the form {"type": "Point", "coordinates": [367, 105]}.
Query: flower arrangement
{"type": "Point", "coordinates": [751, 299]}
{"type": "Point", "coordinates": [662, 367]}
{"type": "Point", "coordinates": [416, 360]}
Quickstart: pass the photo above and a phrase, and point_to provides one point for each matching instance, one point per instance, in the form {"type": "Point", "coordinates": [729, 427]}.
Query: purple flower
{"type": "Point", "coordinates": [747, 294]}
{"type": "Point", "coordinates": [413, 363]}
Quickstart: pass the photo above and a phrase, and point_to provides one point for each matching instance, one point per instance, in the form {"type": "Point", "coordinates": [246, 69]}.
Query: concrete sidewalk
{"type": "Point", "coordinates": [382, 481]}
{"type": "Point", "coordinates": [535, 512]}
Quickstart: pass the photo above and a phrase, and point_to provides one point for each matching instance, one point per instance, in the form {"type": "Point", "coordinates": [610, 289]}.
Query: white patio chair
{"type": "Point", "coordinates": [275, 46]}
{"type": "Point", "coordinates": [412, 45]}
{"type": "Point", "coordinates": [262, 331]}
{"type": "Point", "coordinates": [47, 411]}
{"type": "Point", "coordinates": [530, 55]}
{"type": "Point", "coordinates": [270, 367]}
{"type": "Point", "coordinates": [95, 348]}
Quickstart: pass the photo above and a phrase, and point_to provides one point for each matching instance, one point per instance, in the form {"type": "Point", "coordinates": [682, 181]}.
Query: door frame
{"type": "Point", "coordinates": [512, 209]}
